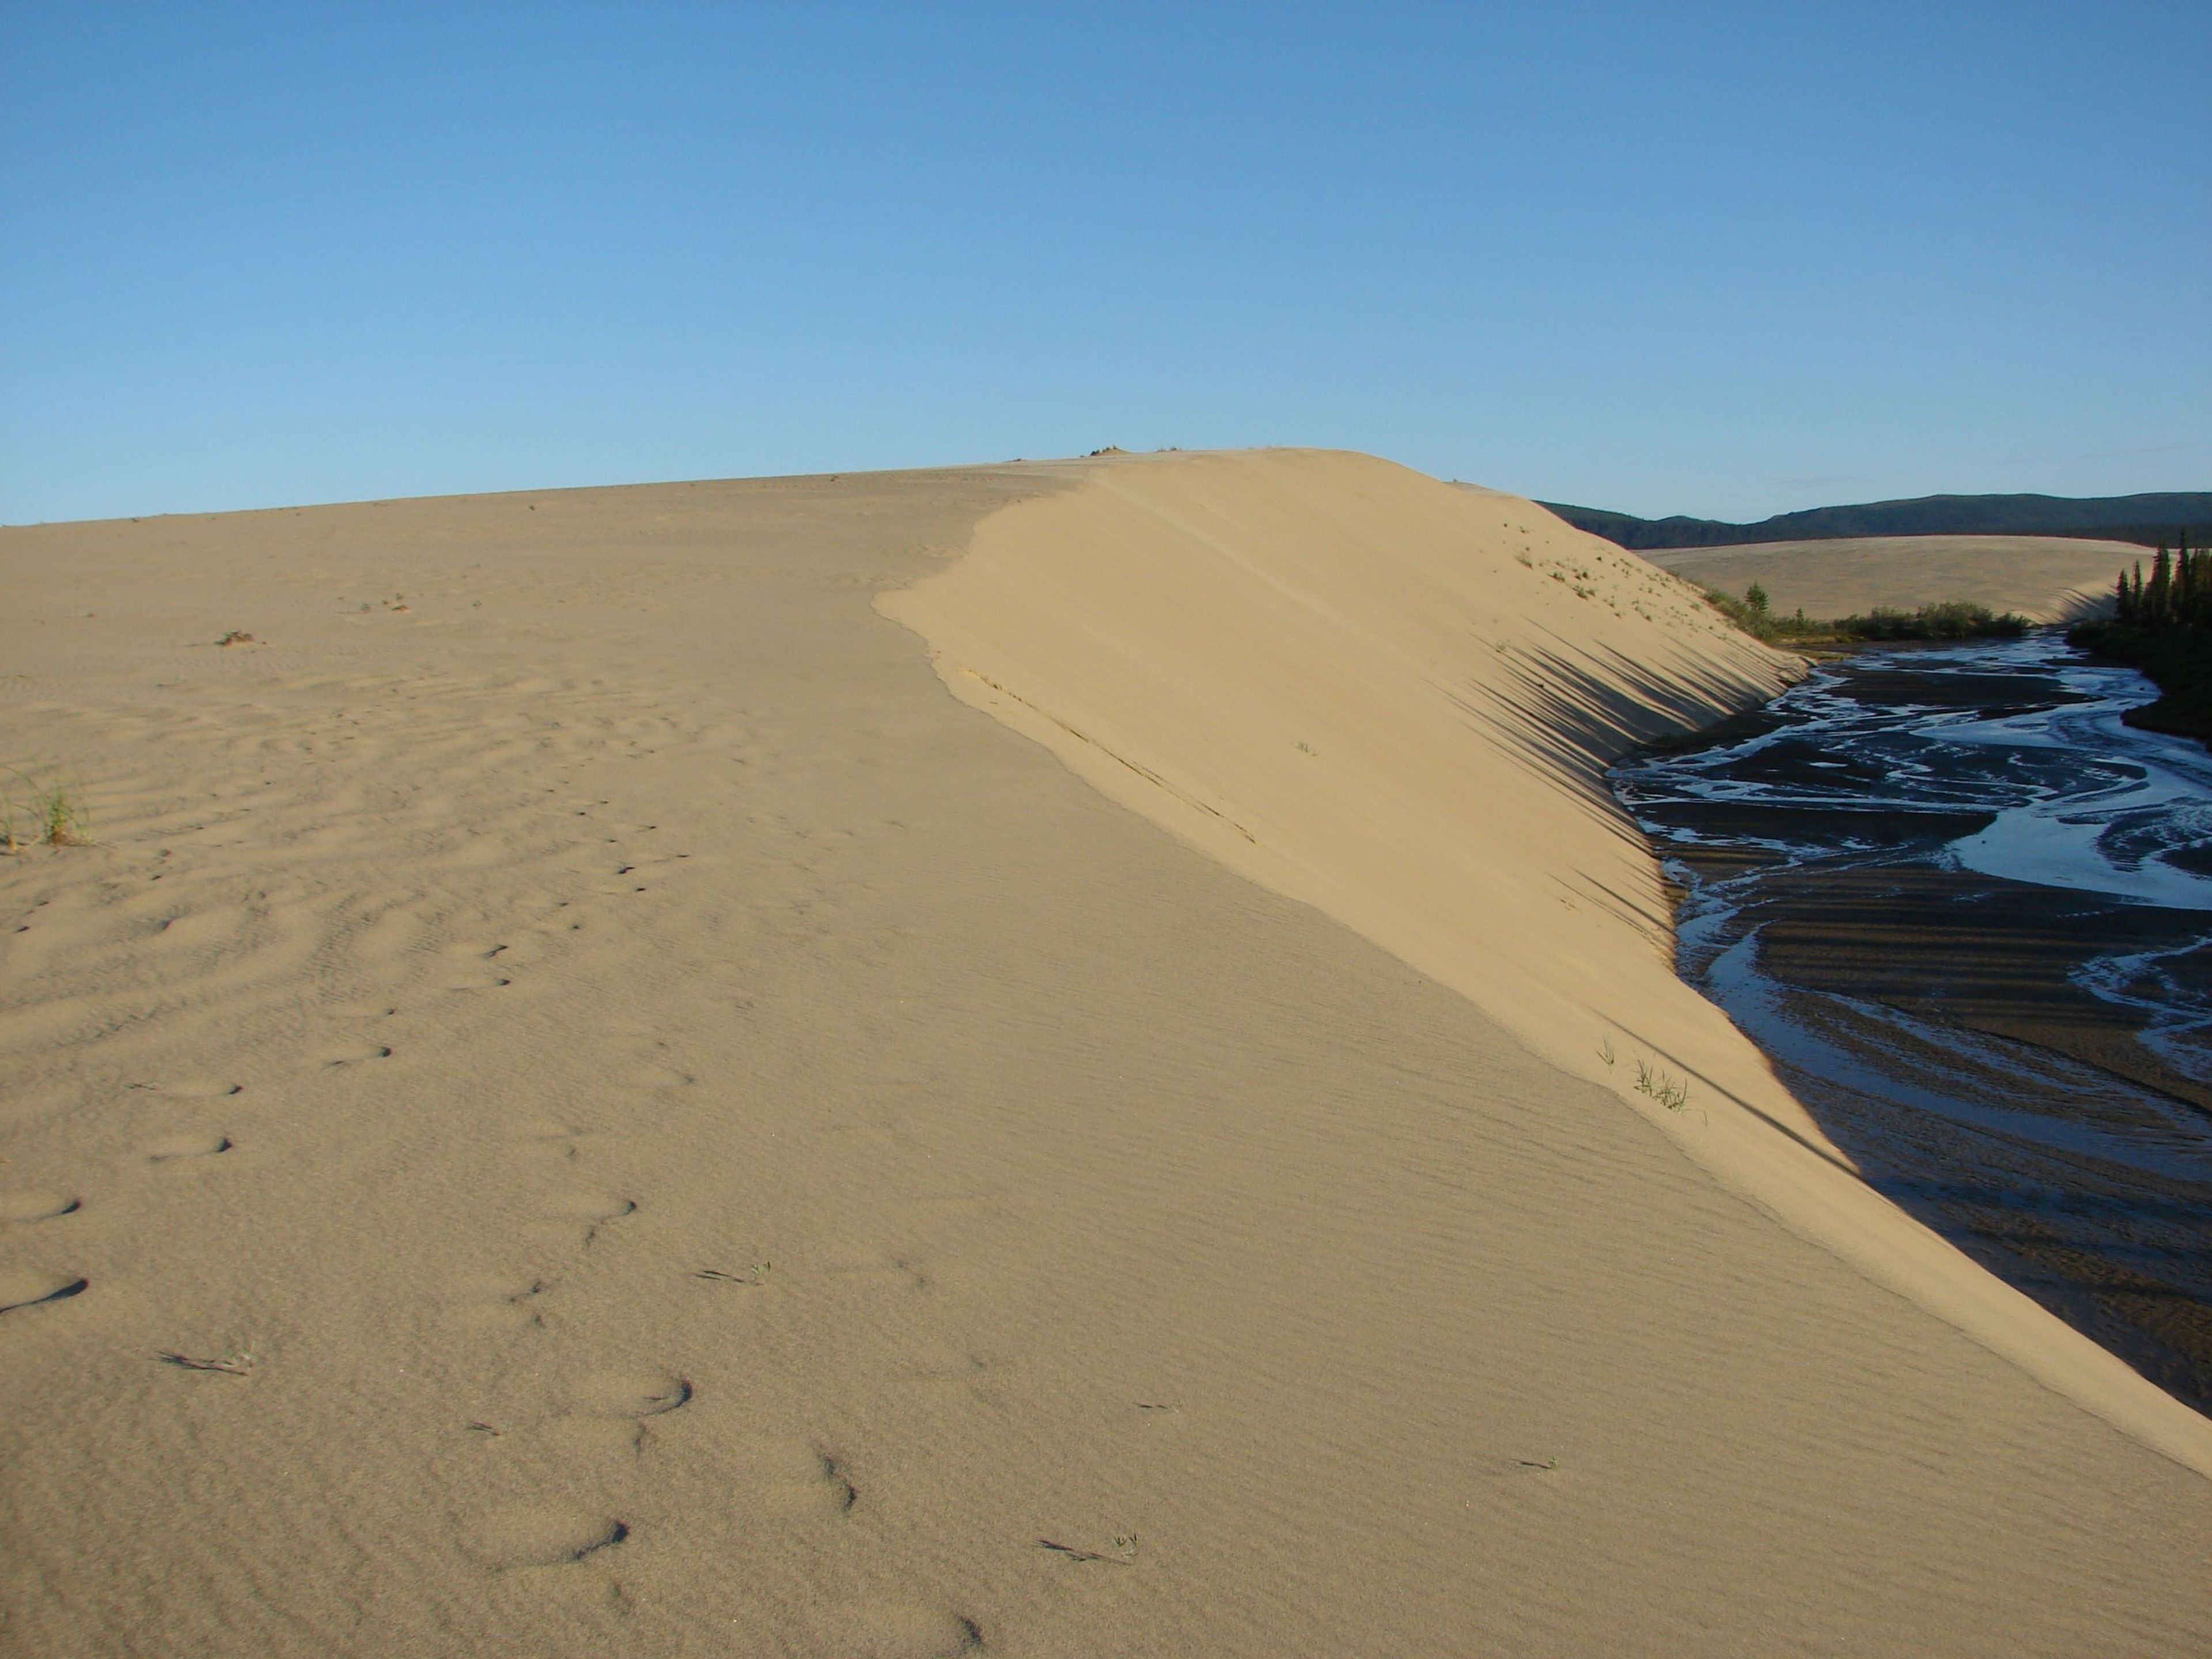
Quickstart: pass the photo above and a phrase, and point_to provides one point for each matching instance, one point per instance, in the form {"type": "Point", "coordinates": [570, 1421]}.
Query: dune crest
{"type": "Point", "coordinates": [1394, 699]}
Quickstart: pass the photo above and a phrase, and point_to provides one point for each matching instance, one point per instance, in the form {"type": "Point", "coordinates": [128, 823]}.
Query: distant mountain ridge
{"type": "Point", "coordinates": [2148, 520]}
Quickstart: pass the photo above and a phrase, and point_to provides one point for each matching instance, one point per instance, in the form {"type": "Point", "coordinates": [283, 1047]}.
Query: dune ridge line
{"type": "Point", "coordinates": [1394, 699]}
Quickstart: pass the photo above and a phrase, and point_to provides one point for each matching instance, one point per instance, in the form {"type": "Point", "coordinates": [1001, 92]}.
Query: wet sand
{"type": "Point", "coordinates": [1999, 957]}
{"type": "Point", "coordinates": [2113, 1237]}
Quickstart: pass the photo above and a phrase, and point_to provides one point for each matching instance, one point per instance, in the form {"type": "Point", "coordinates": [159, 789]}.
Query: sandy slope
{"type": "Point", "coordinates": [2043, 578]}
{"type": "Point", "coordinates": [453, 985]}
{"type": "Point", "coordinates": [1393, 700]}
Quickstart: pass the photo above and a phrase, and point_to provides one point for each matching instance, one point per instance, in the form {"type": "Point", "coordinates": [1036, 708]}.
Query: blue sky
{"type": "Point", "coordinates": [1719, 260]}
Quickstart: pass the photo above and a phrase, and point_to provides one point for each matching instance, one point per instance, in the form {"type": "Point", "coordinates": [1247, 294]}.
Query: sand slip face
{"type": "Point", "coordinates": [1392, 699]}
{"type": "Point", "coordinates": [2043, 578]}
{"type": "Point", "coordinates": [602, 1111]}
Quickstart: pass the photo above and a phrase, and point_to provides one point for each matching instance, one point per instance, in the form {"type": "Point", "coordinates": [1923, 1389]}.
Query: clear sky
{"type": "Point", "coordinates": [1721, 260]}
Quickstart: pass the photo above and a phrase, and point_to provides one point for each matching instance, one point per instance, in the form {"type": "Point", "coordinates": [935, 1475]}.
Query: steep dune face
{"type": "Point", "coordinates": [1383, 695]}
{"type": "Point", "coordinates": [1394, 699]}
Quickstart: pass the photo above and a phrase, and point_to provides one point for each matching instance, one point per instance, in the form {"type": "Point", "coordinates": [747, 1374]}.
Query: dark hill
{"type": "Point", "coordinates": [2148, 520]}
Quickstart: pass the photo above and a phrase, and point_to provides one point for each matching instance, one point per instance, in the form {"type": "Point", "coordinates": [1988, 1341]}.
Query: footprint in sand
{"type": "Point", "coordinates": [576, 1216]}
{"type": "Point", "coordinates": [630, 1392]}
{"type": "Point", "coordinates": [199, 931]}
{"type": "Point", "coordinates": [375, 1008]}
{"type": "Point", "coordinates": [895, 1630]}
{"type": "Point", "coordinates": [194, 1089]}
{"type": "Point", "coordinates": [590, 1208]}
{"type": "Point", "coordinates": [489, 1304]}
{"type": "Point", "coordinates": [544, 1139]}
{"type": "Point", "coordinates": [352, 1053]}
{"type": "Point", "coordinates": [784, 1476]}
{"type": "Point", "coordinates": [863, 1265]}
{"type": "Point", "coordinates": [539, 1535]}
{"type": "Point", "coordinates": [472, 968]}
{"type": "Point", "coordinates": [938, 1363]}
{"type": "Point", "coordinates": [26, 1287]}
{"type": "Point", "coordinates": [385, 941]}
{"type": "Point", "coordinates": [192, 1142]}
{"type": "Point", "coordinates": [34, 1206]}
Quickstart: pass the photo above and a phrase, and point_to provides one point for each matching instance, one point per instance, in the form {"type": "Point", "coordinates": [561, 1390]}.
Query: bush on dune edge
{"type": "Point", "coordinates": [1952, 619]}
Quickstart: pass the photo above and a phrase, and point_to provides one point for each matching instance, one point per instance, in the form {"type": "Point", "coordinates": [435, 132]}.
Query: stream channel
{"type": "Point", "coordinates": [1968, 915]}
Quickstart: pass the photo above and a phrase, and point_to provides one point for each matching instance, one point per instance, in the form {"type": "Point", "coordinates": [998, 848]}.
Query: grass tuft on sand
{"type": "Point", "coordinates": [53, 810]}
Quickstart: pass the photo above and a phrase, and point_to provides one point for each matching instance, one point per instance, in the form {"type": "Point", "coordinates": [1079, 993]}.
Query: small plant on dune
{"type": "Point", "coordinates": [61, 820]}
{"type": "Point", "coordinates": [1662, 1087]}
{"type": "Point", "coordinates": [56, 810]}
{"type": "Point", "coordinates": [236, 637]}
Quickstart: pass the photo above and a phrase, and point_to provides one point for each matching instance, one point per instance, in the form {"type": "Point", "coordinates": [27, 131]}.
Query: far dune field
{"type": "Point", "coordinates": [1065, 1058]}
{"type": "Point", "coordinates": [2046, 579]}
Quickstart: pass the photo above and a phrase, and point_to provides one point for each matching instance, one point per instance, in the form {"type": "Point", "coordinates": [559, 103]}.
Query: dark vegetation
{"type": "Point", "coordinates": [2161, 626]}
{"type": "Point", "coordinates": [1951, 621]}
{"type": "Point", "coordinates": [2147, 519]}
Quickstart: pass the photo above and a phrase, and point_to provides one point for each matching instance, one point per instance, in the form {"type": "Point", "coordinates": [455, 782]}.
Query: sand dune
{"type": "Point", "coordinates": [594, 1108]}
{"type": "Point", "coordinates": [1465, 665]}
{"type": "Point", "coordinates": [2043, 578]}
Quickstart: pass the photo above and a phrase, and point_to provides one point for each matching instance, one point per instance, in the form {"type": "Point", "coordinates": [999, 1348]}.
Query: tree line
{"type": "Point", "coordinates": [2179, 593]}
{"type": "Point", "coordinates": [1954, 620]}
{"type": "Point", "coordinates": [2162, 625]}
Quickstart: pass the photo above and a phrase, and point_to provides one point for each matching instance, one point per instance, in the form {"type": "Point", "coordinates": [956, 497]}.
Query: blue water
{"type": "Point", "coordinates": [1981, 790]}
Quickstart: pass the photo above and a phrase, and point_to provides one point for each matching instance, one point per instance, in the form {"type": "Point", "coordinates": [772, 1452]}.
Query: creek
{"type": "Point", "coordinates": [1967, 913]}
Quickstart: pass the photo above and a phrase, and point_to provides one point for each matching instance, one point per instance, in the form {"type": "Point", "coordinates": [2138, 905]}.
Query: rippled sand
{"type": "Point", "coordinates": [582, 1102]}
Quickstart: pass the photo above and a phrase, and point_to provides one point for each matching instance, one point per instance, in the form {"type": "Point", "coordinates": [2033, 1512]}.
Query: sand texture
{"type": "Point", "coordinates": [580, 1102]}
{"type": "Point", "coordinates": [2046, 579]}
